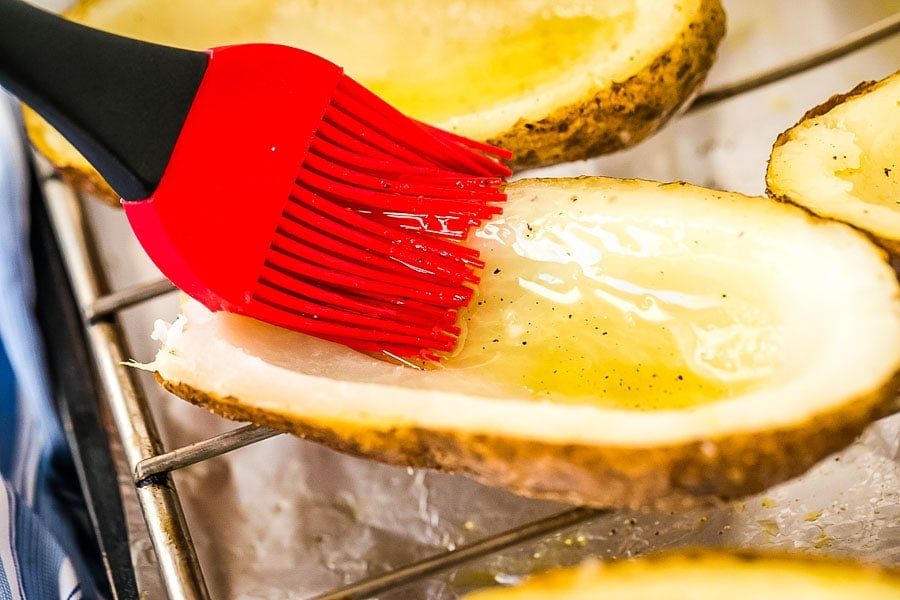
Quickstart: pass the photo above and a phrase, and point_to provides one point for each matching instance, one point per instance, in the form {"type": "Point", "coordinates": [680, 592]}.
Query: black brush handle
{"type": "Point", "coordinates": [120, 101]}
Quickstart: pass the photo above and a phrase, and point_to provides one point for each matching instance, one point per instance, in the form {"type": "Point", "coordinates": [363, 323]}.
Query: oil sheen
{"type": "Point", "coordinates": [416, 54]}
{"type": "Point", "coordinates": [513, 62]}
{"type": "Point", "coordinates": [871, 149]}
{"type": "Point", "coordinates": [620, 314]}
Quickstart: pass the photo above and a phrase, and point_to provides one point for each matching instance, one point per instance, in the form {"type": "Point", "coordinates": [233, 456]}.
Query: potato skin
{"type": "Point", "coordinates": [626, 112]}
{"type": "Point", "coordinates": [723, 462]}
{"type": "Point", "coordinates": [671, 477]}
{"type": "Point", "coordinates": [608, 119]}
{"type": "Point", "coordinates": [715, 572]}
{"type": "Point", "coordinates": [773, 187]}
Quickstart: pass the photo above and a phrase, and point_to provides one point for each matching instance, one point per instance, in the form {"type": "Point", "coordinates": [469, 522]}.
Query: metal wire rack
{"type": "Point", "coordinates": [149, 465]}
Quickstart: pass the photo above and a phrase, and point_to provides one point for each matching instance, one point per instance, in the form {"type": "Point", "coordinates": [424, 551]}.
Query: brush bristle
{"type": "Point", "coordinates": [369, 250]}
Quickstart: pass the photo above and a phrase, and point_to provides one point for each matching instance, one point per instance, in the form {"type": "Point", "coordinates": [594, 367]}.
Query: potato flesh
{"type": "Point", "coordinates": [516, 62]}
{"type": "Point", "coordinates": [698, 306]}
{"type": "Point", "coordinates": [582, 308]}
{"type": "Point", "coordinates": [875, 179]}
{"type": "Point", "coordinates": [708, 577]}
{"type": "Point", "coordinates": [859, 150]}
{"type": "Point", "coordinates": [833, 353]}
{"type": "Point", "coordinates": [427, 69]}
{"type": "Point", "coordinates": [844, 163]}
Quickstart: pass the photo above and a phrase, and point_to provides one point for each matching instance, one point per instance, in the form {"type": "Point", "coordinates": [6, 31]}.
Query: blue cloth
{"type": "Point", "coordinates": [44, 543]}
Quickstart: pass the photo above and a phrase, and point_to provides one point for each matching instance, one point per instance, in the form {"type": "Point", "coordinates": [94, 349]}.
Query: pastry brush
{"type": "Point", "coordinates": [264, 181]}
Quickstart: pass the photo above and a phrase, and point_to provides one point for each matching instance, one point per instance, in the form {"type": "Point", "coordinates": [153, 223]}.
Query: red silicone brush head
{"type": "Point", "coordinates": [297, 197]}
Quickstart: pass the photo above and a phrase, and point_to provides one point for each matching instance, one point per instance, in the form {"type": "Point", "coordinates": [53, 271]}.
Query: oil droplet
{"type": "Point", "coordinates": [812, 516]}
{"type": "Point", "coordinates": [823, 541]}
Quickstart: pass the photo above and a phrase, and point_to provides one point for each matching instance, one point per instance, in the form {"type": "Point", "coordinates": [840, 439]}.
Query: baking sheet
{"type": "Point", "coordinates": [287, 519]}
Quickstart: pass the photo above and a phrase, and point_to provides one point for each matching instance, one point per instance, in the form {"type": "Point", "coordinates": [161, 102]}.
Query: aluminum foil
{"type": "Point", "coordinates": [287, 519]}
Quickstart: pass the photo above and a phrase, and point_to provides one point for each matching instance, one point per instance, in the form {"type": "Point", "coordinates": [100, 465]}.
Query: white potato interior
{"type": "Point", "coordinates": [752, 302]}
{"type": "Point", "coordinates": [473, 66]}
{"type": "Point", "coordinates": [844, 163]}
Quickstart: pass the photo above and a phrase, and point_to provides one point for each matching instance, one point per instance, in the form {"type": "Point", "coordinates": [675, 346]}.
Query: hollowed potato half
{"type": "Point", "coordinates": [842, 160]}
{"type": "Point", "coordinates": [631, 344]}
{"type": "Point", "coordinates": [551, 81]}
{"type": "Point", "coordinates": [709, 575]}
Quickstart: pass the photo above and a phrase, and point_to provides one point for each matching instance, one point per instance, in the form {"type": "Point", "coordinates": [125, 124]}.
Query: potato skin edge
{"type": "Point", "coordinates": [670, 477]}
{"type": "Point", "coordinates": [774, 190]}
{"type": "Point", "coordinates": [626, 112]}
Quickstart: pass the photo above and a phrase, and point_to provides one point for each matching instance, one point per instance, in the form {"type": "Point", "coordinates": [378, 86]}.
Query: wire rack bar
{"type": "Point", "coordinates": [469, 552]}
{"type": "Point", "coordinates": [158, 499]}
{"type": "Point", "coordinates": [200, 451]}
{"type": "Point", "coordinates": [857, 40]}
{"type": "Point", "coordinates": [109, 304]}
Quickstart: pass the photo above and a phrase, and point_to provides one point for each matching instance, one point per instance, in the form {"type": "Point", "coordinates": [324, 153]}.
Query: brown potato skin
{"type": "Point", "coordinates": [672, 477]}
{"type": "Point", "coordinates": [626, 112]}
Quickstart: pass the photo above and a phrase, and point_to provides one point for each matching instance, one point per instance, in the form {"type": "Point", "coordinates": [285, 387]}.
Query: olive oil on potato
{"type": "Point", "coordinates": [573, 311]}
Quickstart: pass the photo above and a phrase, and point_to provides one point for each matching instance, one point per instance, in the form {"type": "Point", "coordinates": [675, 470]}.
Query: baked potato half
{"type": "Point", "coordinates": [707, 574]}
{"type": "Point", "coordinates": [550, 81]}
{"type": "Point", "coordinates": [842, 160]}
{"type": "Point", "coordinates": [631, 344]}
